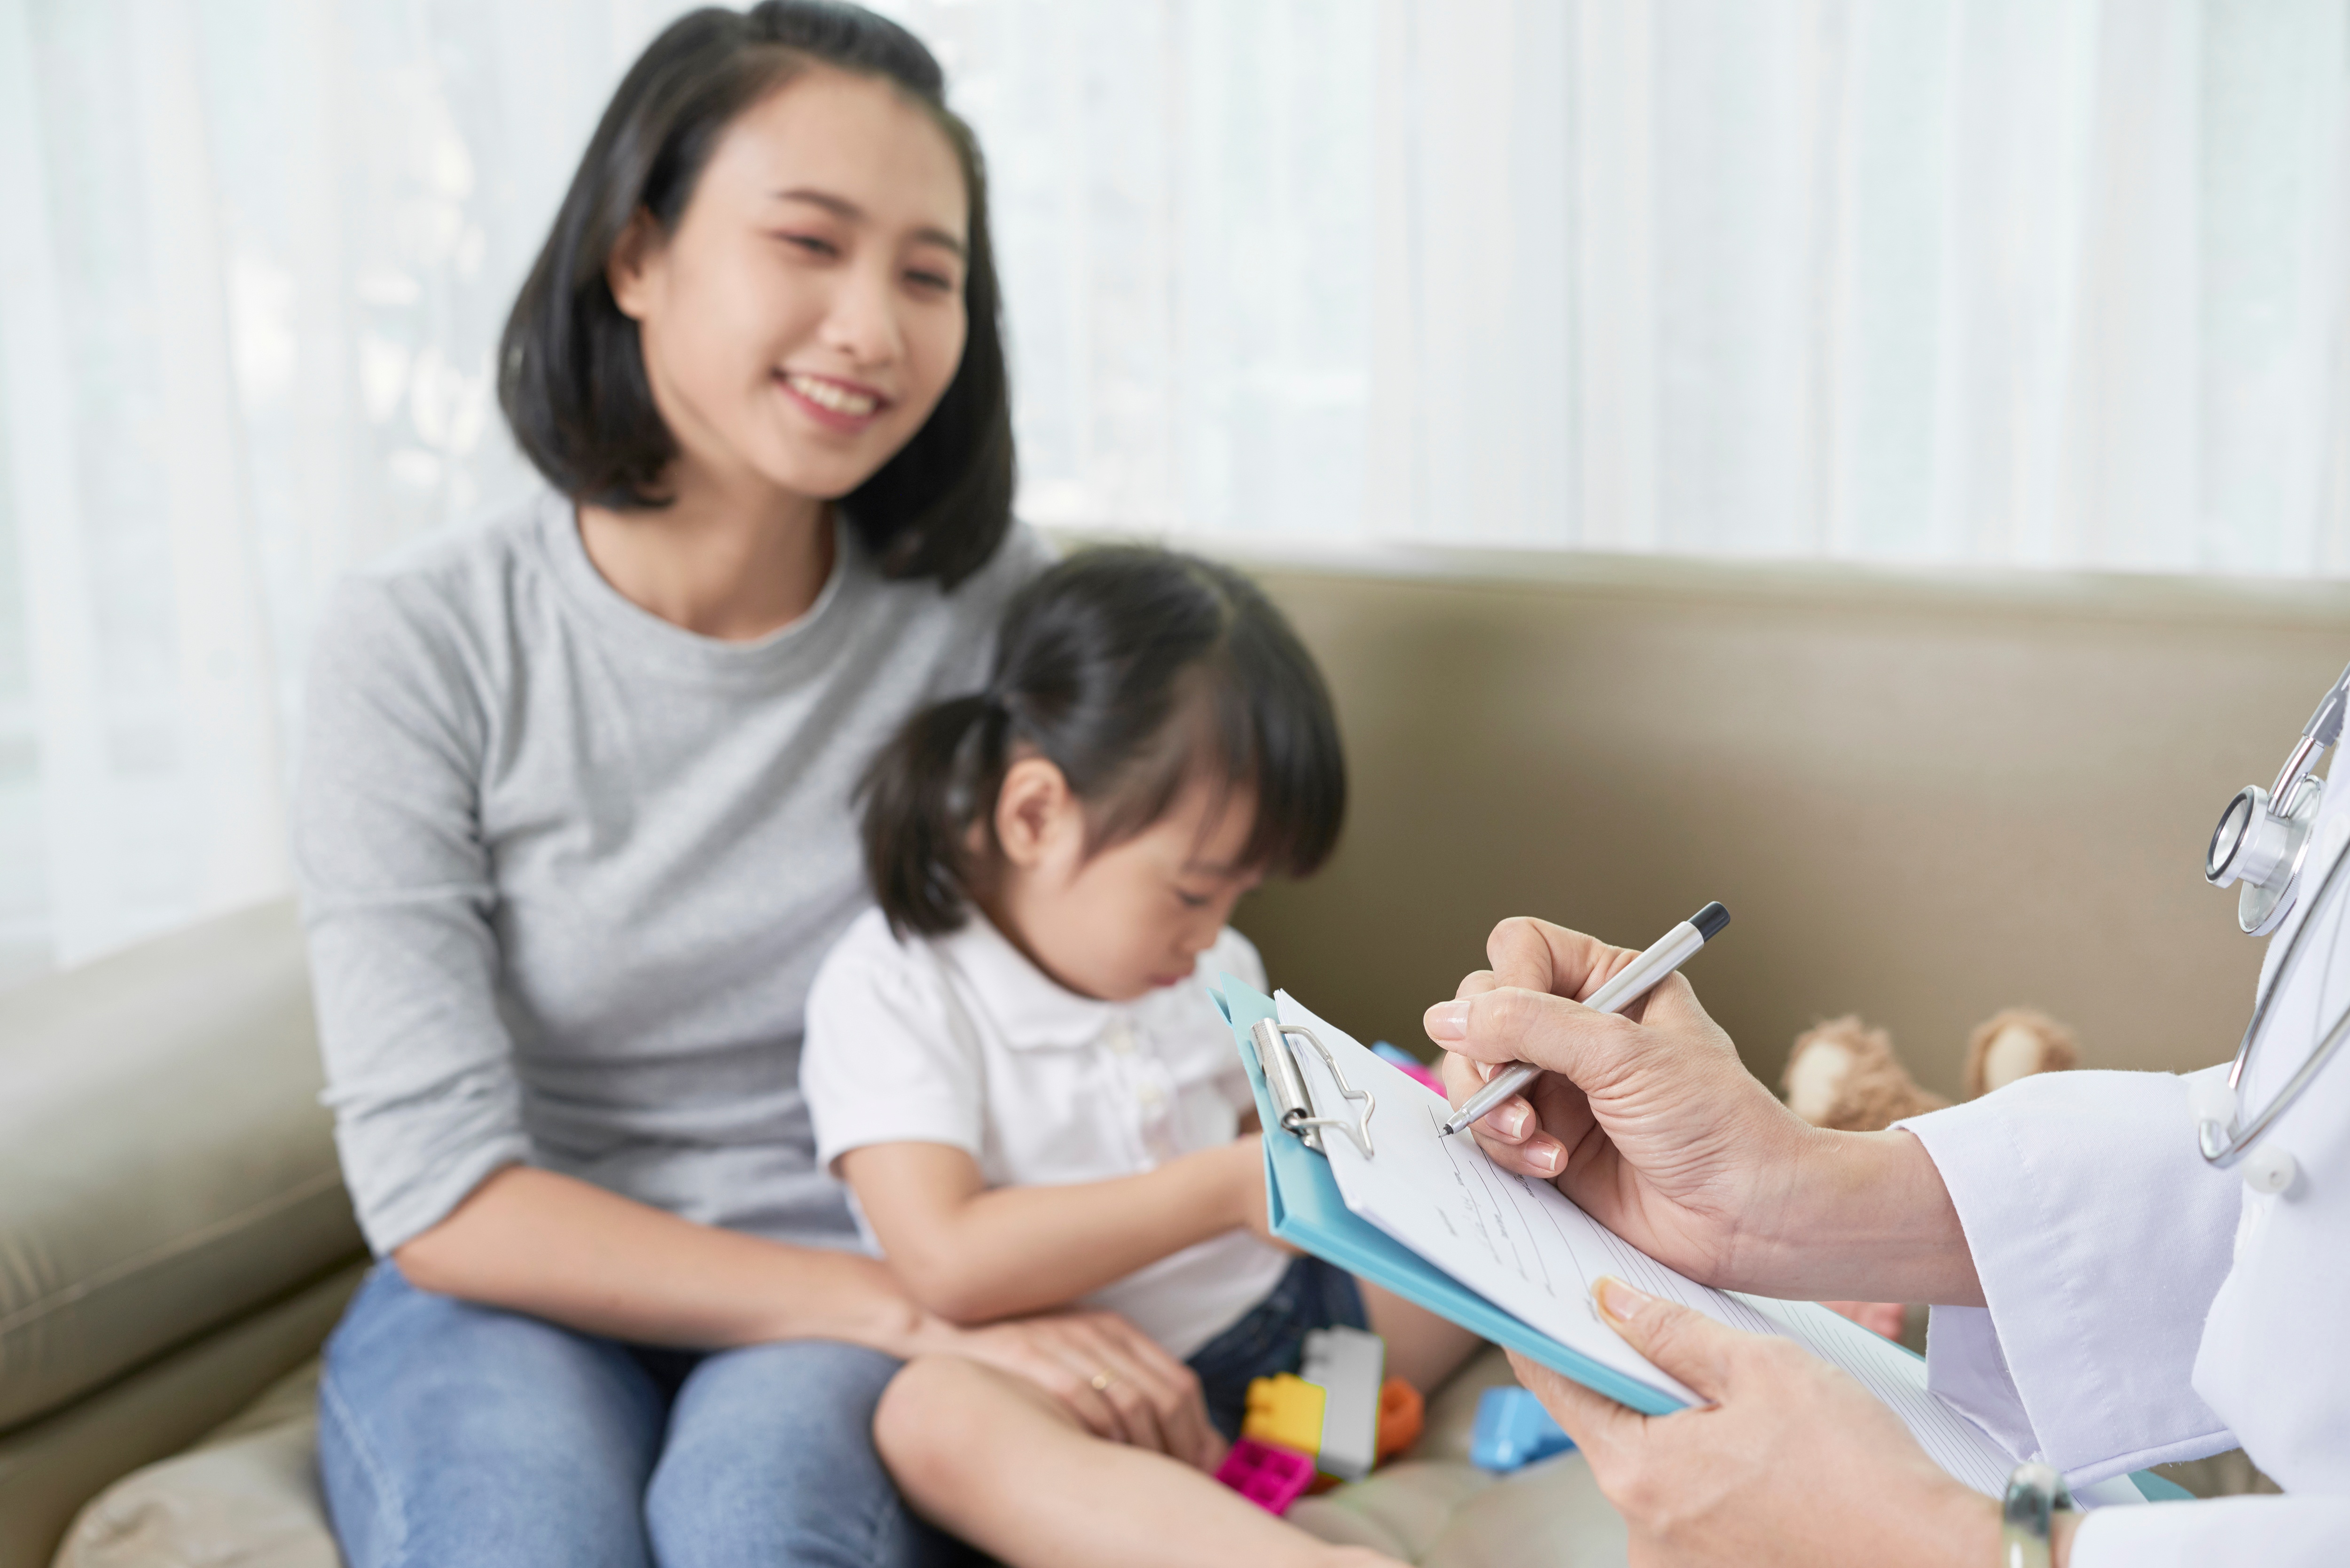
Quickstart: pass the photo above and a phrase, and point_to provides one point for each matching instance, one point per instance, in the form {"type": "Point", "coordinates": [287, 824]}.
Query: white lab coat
{"type": "Point", "coordinates": [2144, 1307]}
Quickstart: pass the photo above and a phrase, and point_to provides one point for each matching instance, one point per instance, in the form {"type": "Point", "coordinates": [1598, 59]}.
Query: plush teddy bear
{"type": "Point", "coordinates": [2015, 1044]}
{"type": "Point", "coordinates": [1844, 1075]}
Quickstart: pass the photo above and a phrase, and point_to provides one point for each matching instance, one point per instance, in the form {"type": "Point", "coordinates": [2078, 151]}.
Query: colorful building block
{"type": "Point", "coordinates": [1348, 1365]}
{"type": "Point", "coordinates": [1402, 1416]}
{"type": "Point", "coordinates": [1267, 1475]}
{"type": "Point", "coordinates": [1286, 1411]}
{"type": "Point", "coordinates": [1513, 1430]}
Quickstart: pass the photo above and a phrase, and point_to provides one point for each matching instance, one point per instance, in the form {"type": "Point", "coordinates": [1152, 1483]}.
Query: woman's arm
{"type": "Point", "coordinates": [563, 1250]}
{"type": "Point", "coordinates": [566, 1251]}
{"type": "Point", "coordinates": [974, 1254]}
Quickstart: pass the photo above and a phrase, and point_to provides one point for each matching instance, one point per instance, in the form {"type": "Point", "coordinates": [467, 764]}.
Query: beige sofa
{"type": "Point", "coordinates": [1921, 802]}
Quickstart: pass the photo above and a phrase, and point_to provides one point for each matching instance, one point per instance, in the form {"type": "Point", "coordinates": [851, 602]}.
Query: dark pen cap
{"type": "Point", "coordinates": [1709, 920]}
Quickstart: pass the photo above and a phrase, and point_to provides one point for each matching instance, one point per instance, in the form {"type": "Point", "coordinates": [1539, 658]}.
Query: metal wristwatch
{"type": "Point", "coordinates": [2035, 1495]}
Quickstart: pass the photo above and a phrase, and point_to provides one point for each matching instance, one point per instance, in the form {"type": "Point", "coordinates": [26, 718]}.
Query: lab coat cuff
{"type": "Point", "coordinates": [2099, 1238]}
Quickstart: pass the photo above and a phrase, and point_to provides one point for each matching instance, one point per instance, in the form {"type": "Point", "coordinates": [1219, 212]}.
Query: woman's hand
{"type": "Point", "coordinates": [1792, 1461]}
{"type": "Point", "coordinates": [1114, 1378]}
{"type": "Point", "coordinates": [1649, 1122]}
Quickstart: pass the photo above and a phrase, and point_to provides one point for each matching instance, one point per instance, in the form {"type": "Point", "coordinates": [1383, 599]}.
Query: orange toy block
{"type": "Point", "coordinates": [1402, 1415]}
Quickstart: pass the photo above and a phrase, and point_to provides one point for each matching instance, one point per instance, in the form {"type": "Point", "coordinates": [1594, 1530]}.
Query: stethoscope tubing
{"type": "Point", "coordinates": [2230, 1143]}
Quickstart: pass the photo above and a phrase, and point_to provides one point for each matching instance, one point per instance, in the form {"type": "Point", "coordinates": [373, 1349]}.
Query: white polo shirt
{"type": "Point", "coordinates": [959, 1040]}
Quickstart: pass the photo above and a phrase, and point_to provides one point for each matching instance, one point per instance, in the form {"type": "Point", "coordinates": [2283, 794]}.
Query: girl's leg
{"type": "Point", "coordinates": [455, 1433]}
{"type": "Point", "coordinates": [1000, 1464]}
{"type": "Point", "coordinates": [770, 1460]}
{"type": "Point", "coordinates": [1423, 1349]}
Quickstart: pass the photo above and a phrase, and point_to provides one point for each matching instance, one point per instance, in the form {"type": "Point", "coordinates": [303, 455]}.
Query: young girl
{"type": "Point", "coordinates": [1014, 1063]}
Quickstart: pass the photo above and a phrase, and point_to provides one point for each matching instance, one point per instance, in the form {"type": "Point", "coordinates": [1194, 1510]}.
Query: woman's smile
{"type": "Point", "coordinates": [834, 404]}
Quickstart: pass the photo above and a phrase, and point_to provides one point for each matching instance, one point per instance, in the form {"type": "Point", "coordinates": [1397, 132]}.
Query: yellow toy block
{"type": "Point", "coordinates": [1286, 1411]}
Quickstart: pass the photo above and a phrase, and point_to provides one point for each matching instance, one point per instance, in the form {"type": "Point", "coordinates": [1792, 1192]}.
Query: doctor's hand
{"type": "Point", "coordinates": [1791, 1461]}
{"type": "Point", "coordinates": [1652, 1124]}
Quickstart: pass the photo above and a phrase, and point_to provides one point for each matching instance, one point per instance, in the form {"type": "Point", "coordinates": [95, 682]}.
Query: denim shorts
{"type": "Point", "coordinates": [1269, 1337]}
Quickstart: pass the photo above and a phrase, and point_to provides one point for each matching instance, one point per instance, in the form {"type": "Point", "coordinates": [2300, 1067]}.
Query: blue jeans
{"type": "Point", "coordinates": [1269, 1337]}
{"type": "Point", "coordinates": [459, 1434]}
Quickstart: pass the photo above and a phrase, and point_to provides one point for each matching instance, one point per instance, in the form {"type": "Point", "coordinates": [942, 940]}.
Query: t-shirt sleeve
{"type": "Point", "coordinates": [887, 1057]}
{"type": "Point", "coordinates": [396, 897]}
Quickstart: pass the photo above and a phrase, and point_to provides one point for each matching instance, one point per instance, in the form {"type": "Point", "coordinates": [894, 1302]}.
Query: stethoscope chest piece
{"type": "Point", "coordinates": [2262, 849]}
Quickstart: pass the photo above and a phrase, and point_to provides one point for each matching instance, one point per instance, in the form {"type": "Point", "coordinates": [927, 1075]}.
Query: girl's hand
{"type": "Point", "coordinates": [1245, 1159]}
{"type": "Point", "coordinates": [1793, 1462]}
{"type": "Point", "coordinates": [1114, 1378]}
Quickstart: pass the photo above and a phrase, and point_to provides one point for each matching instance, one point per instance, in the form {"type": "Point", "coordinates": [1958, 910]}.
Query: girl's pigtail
{"type": "Point", "coordinates": [921, 794]}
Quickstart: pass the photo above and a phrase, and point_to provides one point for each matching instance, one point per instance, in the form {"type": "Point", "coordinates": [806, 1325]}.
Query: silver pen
{"type": "Point", "coordinates": [1627, 985]}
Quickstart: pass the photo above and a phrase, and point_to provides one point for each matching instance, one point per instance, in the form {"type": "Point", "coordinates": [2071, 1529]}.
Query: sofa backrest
{"type": "Point", "coordinates": [1921, 800]}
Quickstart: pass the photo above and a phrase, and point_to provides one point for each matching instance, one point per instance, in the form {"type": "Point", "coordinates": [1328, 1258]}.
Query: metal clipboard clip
{"type": "Point", "coordinates": [1287, 1083]}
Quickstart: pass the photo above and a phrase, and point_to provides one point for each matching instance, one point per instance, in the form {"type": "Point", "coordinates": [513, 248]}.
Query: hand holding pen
{"type": "Point", "coordinates": [1622, 989]}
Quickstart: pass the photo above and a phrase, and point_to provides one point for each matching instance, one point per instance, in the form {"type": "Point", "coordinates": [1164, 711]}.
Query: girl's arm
{"type": "Point", "coordinates": [974, 1254]}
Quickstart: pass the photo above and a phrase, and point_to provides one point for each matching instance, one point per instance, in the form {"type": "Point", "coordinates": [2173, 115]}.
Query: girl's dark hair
{"type": "Point", "coordinates": [571, 371]}
{"type": "Point", "coordinates": [1134, 671]}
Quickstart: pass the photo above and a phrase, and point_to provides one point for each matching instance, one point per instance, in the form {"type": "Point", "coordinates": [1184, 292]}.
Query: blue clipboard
{"type": "Point", "coordinates": [1307, 1210]}
{"type": "Point", "coordinates": [1303, 1202]}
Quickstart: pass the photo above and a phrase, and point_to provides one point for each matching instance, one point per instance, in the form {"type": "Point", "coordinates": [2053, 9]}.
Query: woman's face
{"type": "Point", "coordinates": [806, 314]}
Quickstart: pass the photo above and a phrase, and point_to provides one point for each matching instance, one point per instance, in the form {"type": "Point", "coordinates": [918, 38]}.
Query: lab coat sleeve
{"type": "Point", "coordinates": [2274, 1532]}
{"type": "Point", "coordinates": [2100, 1237]}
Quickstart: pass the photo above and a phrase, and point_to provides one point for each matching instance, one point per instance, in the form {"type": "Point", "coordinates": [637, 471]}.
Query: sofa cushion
{"type": "Point", "coordinates": [248, 1495]}
{"type": "Point", "coordinates": [164, 1163]}
{"type": "Point", "coordinates": [49, 1468]}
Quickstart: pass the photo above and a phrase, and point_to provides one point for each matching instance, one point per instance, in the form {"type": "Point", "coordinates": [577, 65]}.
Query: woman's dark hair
{"type": "Point", "coordinates": [571, 371]}
{"type": "Point", "coordinates": [1134, 671]}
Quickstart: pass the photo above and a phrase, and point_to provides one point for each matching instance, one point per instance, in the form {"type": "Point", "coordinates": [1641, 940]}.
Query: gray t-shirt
{"type": "Point", "coordinates": [568, 869]}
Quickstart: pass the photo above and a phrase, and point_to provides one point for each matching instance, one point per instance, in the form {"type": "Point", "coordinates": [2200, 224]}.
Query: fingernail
{"type": "Point", "coordinates": [1448, 1020]}
{"type": "Point", "coordinates": [1618, 1302]}
{"type": "Point", "coordinates": [1514, 1121]}
{"type": "Point", "coordinates": [1544, 1158]}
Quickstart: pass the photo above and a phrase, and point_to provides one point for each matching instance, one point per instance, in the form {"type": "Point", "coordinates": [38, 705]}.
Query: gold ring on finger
{"type": "Point", "coordinates": [1102, 1380]}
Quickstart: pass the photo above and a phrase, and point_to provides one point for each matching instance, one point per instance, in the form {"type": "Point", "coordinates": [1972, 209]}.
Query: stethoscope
{"type": "Point", "coordinates": [2262, 841]}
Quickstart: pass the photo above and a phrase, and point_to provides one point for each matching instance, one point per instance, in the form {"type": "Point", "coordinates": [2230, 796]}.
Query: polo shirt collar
{"type": "Point", "coordinates": [1029, 1009]}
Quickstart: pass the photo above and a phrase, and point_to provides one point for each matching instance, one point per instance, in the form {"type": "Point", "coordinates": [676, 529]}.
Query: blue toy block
{"type": "Point", "coordinates": [1513, 1431]}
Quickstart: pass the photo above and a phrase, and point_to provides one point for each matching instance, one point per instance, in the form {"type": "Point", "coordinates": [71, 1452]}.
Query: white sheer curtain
{"type": "Point", "coordinates": [2033, 282]}
{"type": "Point", "coordinates": [2039, 282]}
{"type": "Point", "coordinates": [256, 257]}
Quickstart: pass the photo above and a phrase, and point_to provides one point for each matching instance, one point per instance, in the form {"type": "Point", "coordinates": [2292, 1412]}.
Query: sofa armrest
{"type": "Point", "coordinates": [165, 1166]}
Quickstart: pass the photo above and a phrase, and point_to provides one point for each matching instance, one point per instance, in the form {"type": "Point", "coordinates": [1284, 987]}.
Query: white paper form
{"type": "Point", "coordinates": [1525, 1247]}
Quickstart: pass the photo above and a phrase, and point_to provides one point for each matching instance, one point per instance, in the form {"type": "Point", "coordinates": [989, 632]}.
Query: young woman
{"type": "Point", "coordinates": [1016, 1063]}
{"type": "Point", "coordinates": [575, 827]}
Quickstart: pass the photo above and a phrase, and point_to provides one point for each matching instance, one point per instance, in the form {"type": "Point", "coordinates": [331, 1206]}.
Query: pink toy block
{"type": "Point", "coordinates": [1272, 1477]}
